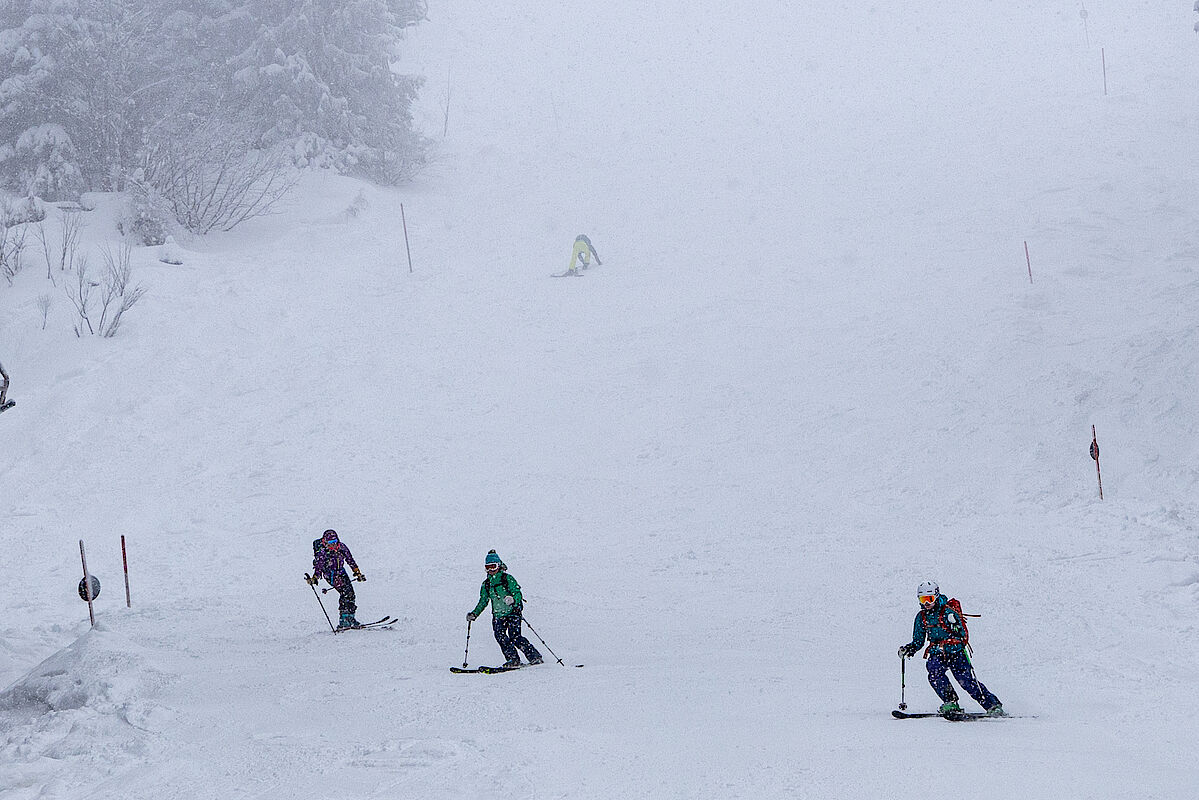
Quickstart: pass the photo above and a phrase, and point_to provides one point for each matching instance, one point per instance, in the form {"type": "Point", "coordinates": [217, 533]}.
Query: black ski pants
{"type": "Point", "coordinates": [509, 637]}
{"type": "Point", "coordinates": [346, 603]}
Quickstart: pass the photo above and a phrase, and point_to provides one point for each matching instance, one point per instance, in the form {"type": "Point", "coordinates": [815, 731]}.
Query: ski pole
{"type": "Point", "coordinates": [466, 654]}
{"type": "Point", "coordinates": [547, 647]}
{"type": "Point", "coordinates": [903, 682]}
{"type": "Point", "coordinates": [308, 580]}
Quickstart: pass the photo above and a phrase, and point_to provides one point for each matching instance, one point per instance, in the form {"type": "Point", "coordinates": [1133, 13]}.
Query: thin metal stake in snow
{"type": "Point", "coordinates": [87, 583]}
{"type": "Point", "coordinates": [1028, 260]}
{"type": "Point", "coordinates": [1103, 56]}
{"type": "Point", "coordinates": [406, 247]}
{"type": "Point", "coordinates": [1095, 455]}
{"type": "Point", "coordinates": [125, 565]}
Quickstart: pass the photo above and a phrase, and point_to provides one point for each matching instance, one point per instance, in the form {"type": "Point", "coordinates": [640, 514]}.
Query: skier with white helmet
{"type": "Point", "coordinates": [941, 623]}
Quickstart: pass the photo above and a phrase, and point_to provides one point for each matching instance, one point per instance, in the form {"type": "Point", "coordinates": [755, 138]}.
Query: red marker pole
{"type": "Point", "coordinates": [125, 565]}
{"type": "Point", "coordinates": [1095, 455]}
{"type": "Point", "coordinates": [87, 583]}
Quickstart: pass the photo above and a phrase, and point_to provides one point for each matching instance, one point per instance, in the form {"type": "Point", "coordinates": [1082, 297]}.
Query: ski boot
{"type": "Point", "coordinates": [950, 708]}
{"type": "Point", "coordinates": [512, 663]}
{"type": "Point", "coordinates": [347, 621]}
{"type": "Point", "coordinates": [996, 711]}
{"type": "Point", "coordinates": [536, 660]}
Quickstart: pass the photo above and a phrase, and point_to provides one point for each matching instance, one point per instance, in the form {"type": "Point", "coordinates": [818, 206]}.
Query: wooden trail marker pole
{"type": "Point", "coordinates": [1028, 260]}
{"type": "Point", "coordinates": [404, 219]}
{"type": "Point", "coordinates": [125, 566]}
{"type": "Point", "coordinates": [1095, 455]}
{"type": "Point", "coordinates": [87, 582]}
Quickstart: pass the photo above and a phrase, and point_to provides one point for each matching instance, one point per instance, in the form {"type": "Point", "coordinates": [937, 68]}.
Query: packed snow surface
{"type": "Point", "coordinates": [811, 372]}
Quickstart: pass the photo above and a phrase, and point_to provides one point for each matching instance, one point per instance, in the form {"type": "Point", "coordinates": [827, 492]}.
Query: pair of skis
{"type": "Point", "coordinates": [960, 716]}
{"type": "Point", "coordinates": [491, 670]}
{"type": "Point", "coordinates": [484, 670]}
{"type": "Point", "coordinates": [384, 623]}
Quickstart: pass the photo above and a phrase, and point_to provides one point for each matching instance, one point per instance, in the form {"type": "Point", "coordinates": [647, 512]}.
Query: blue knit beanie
{"type": "Point", "coordinates": [492, 558]}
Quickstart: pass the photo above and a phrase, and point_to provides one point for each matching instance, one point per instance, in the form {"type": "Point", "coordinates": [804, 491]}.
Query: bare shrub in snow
{"type": "Point", "coordinates": [210, 181]}
{"type": "Point", "coordinates": [72, 224]}
{"type": "Point", "coordinates": [43, 305]}
{"type": "Point", "coordinates": [80, 296]}
{"type": "Point", "coordinates": [116, 295]}
{"type": "Point", "coordinates": [12, 244]}
{"type": "Point", "coordinates": [47, 244]}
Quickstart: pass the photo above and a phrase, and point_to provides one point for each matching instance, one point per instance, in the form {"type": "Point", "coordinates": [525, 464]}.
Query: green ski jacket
{"type": "Point", "coordinates": [494, 589]}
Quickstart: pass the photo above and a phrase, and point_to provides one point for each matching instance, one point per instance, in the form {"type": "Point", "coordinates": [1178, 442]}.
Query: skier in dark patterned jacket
{"type": "Point", "coordinates": [938, 622]}
{"type": "Point", "coordinates": [503, 592]}
{"type": "Point", "coordinates": [329, 557]}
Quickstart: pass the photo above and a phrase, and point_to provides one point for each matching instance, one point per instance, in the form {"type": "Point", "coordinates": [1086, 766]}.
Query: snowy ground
{"type": "Point", "coordinates": [810, 373]}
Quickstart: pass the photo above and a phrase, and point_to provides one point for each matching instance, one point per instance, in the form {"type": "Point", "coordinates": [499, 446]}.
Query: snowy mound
{"type": "Point", "coordinates": [92, 703]}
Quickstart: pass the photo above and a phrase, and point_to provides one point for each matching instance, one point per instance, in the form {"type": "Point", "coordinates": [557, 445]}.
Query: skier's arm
{"type": "Point", "coordinates": [918, 636]}
{"type": "Point", "coordinates": [349, 557]}
{"type": "Point", "coordinates": [353, 564]}
{"type": "Point", "coordinates": [918, 632]}
{"type": "Point", "coordinates": [514, 590]}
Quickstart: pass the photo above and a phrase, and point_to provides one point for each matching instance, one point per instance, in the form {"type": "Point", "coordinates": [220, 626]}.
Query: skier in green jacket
{"type": "Point", "coordinates": [503, 592]}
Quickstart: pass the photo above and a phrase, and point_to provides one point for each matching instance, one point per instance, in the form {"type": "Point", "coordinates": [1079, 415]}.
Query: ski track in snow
{"type": "Point", "coordinates": [810, 373]}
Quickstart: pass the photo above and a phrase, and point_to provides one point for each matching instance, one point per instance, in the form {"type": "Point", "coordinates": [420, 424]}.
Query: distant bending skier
{"type": "Point", "coordinates": [329, 557]}
{"type": "Point", "coordinates": [581, 255]}
{"type": "Point", "coordinates": [503, 592]}
{"type": "Point", "coordinates": [940, 623]}
{"type": "Point", "coordinates": [4, 402]}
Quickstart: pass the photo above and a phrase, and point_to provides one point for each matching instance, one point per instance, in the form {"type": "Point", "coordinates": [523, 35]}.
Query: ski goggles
{"type": "Point", "coordinates": [927, 599]}
{"type": "Point", "coordinates": [492, 567]}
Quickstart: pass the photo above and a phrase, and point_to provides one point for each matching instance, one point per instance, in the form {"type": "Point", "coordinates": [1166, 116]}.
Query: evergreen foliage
{"type": "Point", "coordinates": [90, 90]}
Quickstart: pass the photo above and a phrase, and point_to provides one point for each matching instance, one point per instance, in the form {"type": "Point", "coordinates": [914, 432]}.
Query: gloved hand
{"type": "Point", "coordinates": [908, 650]}
{"type": "Point", "coordinates": [509, 600]}
{"type": "Point", "coordinates": [358, 576]}
{"type": "Point", "coordinates": [471, 616]}
{"type": "Point", "coordinates": [311, 581]}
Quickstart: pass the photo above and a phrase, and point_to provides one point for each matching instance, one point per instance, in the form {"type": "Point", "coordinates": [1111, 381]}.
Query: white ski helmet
{"type": "Point", "coordinates": [928, 587]}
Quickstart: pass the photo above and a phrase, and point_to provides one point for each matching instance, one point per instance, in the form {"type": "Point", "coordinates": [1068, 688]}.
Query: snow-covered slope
{"type": "Point", "coordinates": [810, 373]}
